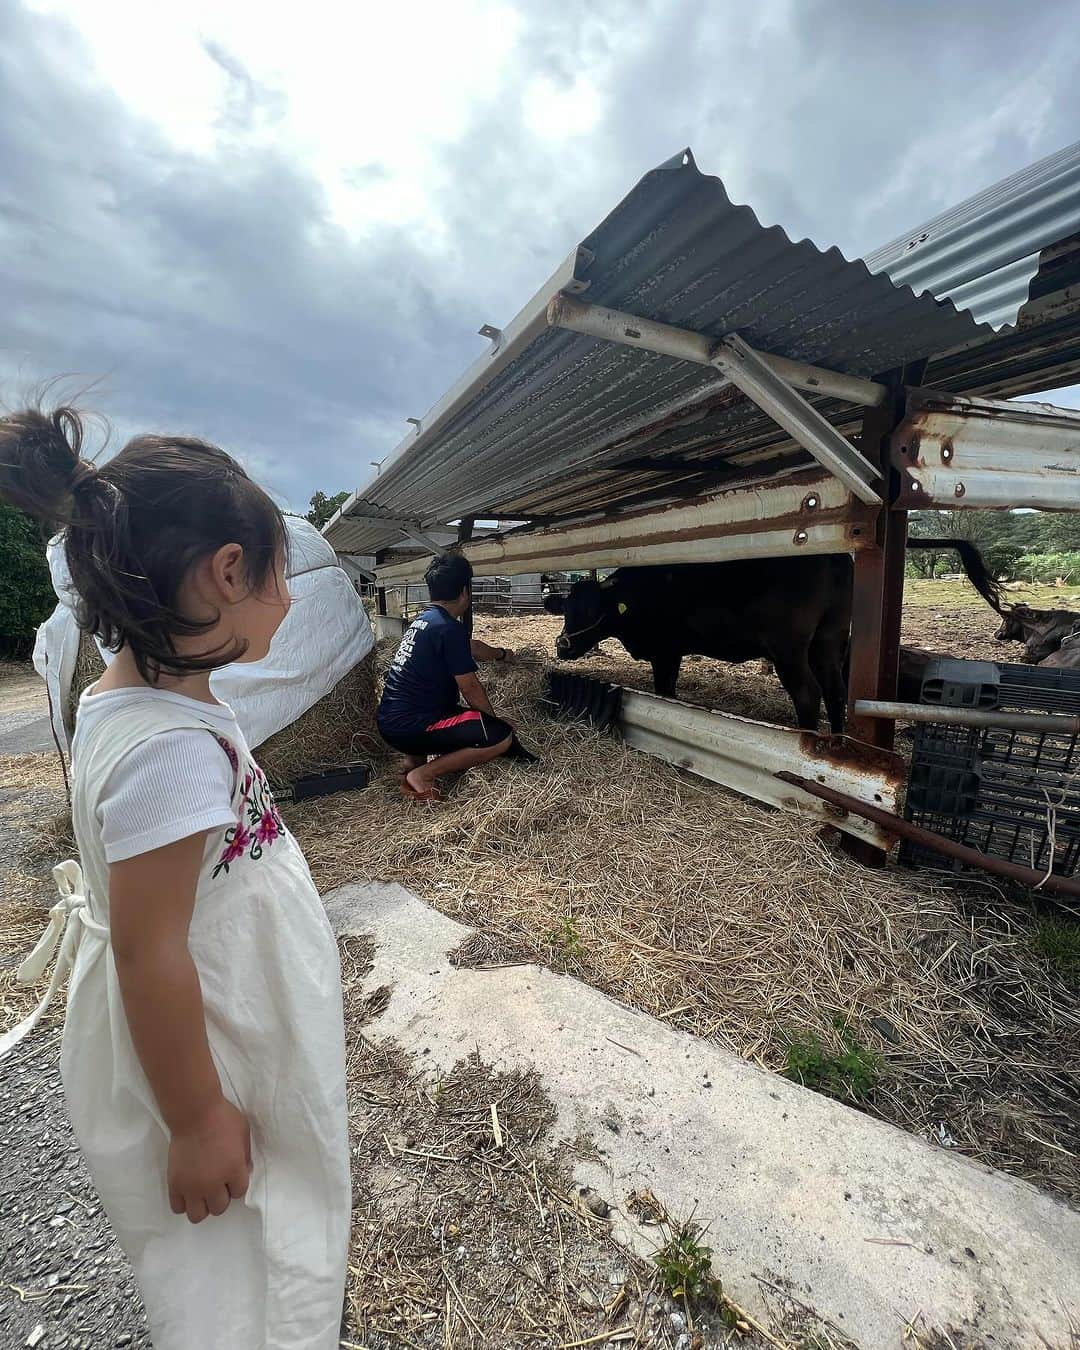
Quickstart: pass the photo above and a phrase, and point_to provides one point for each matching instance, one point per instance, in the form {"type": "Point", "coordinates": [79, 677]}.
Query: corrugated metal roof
{"type": "Point", "coordinates": [553, 424]}
{"type": "Point", "coordinates": [983, 254]}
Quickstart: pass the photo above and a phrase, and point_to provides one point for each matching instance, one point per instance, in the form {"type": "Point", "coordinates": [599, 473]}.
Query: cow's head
{"type": "Point", "coordinates": [591, 612]}
{"type": "Point", "coordinates": [1015, 624]}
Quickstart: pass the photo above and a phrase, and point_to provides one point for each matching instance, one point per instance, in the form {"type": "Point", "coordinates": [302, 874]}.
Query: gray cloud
{"type": "Point", "coordinates": [215, 294]}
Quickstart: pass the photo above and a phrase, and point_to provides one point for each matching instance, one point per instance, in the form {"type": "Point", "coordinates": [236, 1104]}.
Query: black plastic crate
{"type": "Point", "coordinates": [579, 698]}
{"type": "Point", "coordinates": [1038, 689]}
{"type": "Point", "coordinates": [953, 683]}
{"type": "Point", "coordinates": [1012, 794]}
{"type": "Point", "coordinates": [339, 778]}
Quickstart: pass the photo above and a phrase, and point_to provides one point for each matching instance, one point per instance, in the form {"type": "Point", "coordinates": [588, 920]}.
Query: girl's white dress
{"type": "Point", "coordinates": [269, 1274]}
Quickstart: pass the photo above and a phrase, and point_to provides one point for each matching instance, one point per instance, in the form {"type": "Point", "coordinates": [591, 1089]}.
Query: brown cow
{"type": "Point", "coordinates": [1067, 656]}
{"type": "Point", "coordinates": [1040, 630]}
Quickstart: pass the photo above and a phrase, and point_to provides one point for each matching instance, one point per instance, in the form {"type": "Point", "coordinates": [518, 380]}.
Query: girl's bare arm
{"type": "Point", "coordinates": [151, 898]}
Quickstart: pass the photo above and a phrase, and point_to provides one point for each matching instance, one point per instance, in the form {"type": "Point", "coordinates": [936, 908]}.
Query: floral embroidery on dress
{"type": "Point", "coordinates": [260, 823]}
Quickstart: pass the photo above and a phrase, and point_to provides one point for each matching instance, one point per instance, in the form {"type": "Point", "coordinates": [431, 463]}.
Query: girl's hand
{"type": "Point", "coordinates": [210, 1162]}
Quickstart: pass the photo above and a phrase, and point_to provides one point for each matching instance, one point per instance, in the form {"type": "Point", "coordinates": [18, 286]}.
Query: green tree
{"type": "Point", "coordinates": [323, 507]}
{"type": "Point", "coordinates": [1002, 537]}
{"type": "Point", "coordinates": [1059, 532]}
{"type": "Point", "coordinates": [26, 594]}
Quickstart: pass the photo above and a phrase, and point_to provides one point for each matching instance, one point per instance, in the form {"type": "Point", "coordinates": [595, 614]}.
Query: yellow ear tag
{"type": "Point", "coordinates": [623, 608]}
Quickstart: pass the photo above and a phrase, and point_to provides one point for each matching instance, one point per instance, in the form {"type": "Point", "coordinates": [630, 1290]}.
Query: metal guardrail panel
{"type": "Point", "coordinates": [810, 512]}
{"type": "Point", "coordinates": [745, 756]}
{"type": "Point", "coordinates": [979, 452]}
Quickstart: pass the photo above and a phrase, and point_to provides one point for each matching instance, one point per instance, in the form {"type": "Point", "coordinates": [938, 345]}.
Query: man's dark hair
{"type": "Point", "coordinates": [448, 576]}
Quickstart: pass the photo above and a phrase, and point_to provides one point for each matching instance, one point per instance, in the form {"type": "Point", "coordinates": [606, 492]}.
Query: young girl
{"type": "Point", "coordinates": [203, 1053]}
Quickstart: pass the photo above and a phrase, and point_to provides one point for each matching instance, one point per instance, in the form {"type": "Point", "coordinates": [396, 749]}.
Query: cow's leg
{"type": "Point", "coordinates": [665, 673]}
{"type": "Point", "coordinates": [827, 653]}
{"type": "Point", "coordinates": [793, 671]}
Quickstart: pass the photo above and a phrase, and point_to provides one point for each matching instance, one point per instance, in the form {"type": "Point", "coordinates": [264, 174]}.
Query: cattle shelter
{"type": "Point", "coordinates": [691, 385]}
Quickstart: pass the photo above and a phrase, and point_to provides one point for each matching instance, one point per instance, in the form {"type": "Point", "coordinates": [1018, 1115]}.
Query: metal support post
{"type": "Point", "coordinates": [878, 594]}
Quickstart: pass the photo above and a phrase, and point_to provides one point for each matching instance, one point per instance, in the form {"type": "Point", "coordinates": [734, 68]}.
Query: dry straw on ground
{"type": "Point", "coordinates": [737, 923]}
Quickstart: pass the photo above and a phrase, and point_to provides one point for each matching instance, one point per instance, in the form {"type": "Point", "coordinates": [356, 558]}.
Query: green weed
{"type": "Point", "coordinates": [850, 1075]}
{"type": "Point", "coordinates": [566, 936]}
{"type": "Point", "coordinates": [1059, 941]}
{"type": "Point", "coordinates": [684, 1264]}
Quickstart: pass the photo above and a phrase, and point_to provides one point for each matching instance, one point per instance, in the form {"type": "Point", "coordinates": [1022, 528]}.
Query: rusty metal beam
{"type": "Point", "coordinates": [748, 757]}
{"type": "Point", "coordinates": [878, 594]}
{"type": "Point", "coordinates": [948, 848]}
{"type": "Point", "coordinates": [613, 325]}
{"type": "Point", "coordinates": [808, 512]}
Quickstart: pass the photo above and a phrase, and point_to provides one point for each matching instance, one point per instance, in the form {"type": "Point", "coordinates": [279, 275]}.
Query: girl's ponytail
{"type": "Point", "coordinates": [40, 468]}
{"type": "Point", "coordinates": [134, 528]}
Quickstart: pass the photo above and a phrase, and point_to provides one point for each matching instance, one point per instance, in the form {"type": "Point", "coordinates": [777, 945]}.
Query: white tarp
{"type": "Point", "coordinates": [324, 635]}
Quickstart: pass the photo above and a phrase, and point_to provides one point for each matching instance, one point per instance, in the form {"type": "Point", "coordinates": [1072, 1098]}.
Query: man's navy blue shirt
{"type": "Point", "coordinates": [420, 686]}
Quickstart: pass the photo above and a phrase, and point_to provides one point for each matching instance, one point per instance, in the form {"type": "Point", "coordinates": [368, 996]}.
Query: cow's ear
{"type": "Point", "coordinates": [555, 604]}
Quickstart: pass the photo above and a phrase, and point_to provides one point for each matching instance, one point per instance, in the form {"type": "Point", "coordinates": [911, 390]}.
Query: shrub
{"type": "Point", "coordinates": [26, 593]}
{"type": "Point", "coordinates": [1047, 567]}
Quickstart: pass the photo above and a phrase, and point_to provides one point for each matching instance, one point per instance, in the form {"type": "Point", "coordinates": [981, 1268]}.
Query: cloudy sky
{"type": "Point", "coordinates": [279, 227]}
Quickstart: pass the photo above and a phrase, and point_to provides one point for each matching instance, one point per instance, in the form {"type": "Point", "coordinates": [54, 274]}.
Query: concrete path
{"type": "Point", "coordinates": [24, 715]}
{"type": "Point", "coordinates": [861, 1222]}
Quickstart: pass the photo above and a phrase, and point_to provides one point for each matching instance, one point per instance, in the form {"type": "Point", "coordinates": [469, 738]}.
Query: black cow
{"type": "Point", "coordinates": [794, 612]}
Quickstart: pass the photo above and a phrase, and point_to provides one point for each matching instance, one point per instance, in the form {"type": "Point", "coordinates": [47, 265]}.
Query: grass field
{"type": "Point", "coordinates": [959, 595]}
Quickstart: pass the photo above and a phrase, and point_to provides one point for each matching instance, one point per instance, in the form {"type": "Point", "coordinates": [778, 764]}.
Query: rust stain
{"type": "Point", "coordinates": [854, 757]}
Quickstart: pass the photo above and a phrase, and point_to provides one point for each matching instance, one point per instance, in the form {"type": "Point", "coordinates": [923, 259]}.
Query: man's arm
{"type": "Point", "coordinates": [474, 694]}
{"type": "Point", "coordinates": [482, 652]}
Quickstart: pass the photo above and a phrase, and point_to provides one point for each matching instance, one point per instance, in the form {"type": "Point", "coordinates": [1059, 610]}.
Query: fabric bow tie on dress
{"type": "Point", "coordinates": [69, 918]}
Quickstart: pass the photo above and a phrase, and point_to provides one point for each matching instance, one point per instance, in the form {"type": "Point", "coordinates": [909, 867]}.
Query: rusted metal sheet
{"type": "Point", "coordinates": [545, 406]}
{"type": "Point", "coordinates": [976, 452]}
{"type": "Point", "coordinates": [808, 512]}
{"type": "Point", "coordinates": [746, 756]}
{"type": "Point", "coordinates": [771, 383]}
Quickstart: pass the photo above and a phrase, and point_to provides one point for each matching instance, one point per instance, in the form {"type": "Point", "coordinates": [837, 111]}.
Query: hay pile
{"type": "Point", "coordinates": [737, 923]}
{"type": "Point", "coordinates": [88, 667]}
{"type": "Point", "coordinates": [339, 728]}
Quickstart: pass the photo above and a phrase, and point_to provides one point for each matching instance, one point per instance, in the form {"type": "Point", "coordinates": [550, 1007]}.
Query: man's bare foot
{"type": "Point", "coordinates": [420, 782]}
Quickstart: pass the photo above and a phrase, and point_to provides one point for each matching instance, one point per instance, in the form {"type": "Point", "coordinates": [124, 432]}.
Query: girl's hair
{"type": "Point", "coordinates": [134, 527]}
